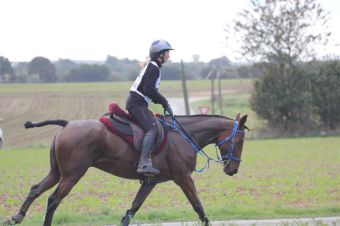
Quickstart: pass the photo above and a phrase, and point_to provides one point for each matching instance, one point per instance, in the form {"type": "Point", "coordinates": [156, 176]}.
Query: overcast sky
{"type": "Point", "coordinates": [93, 29]}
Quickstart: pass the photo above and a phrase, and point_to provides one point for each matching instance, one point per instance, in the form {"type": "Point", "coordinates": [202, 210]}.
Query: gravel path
{"type": "Point", "coordinates": [178, 106]}
{"type": "Point", "coordinates": [333, 221]}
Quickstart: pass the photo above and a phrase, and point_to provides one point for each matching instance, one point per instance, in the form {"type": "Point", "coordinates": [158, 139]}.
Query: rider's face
{"type": "Point", "coordinates": [166, 56]}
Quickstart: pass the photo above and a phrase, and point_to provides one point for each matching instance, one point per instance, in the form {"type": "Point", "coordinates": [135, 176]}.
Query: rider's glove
{"type": "Point", "coordinates": [168, 109]}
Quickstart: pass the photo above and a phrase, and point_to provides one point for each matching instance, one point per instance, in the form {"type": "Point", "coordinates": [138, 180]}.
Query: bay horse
{"type": "Point", "coordinates": [81, 144]}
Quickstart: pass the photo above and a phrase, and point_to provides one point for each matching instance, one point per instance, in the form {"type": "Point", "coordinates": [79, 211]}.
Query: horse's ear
{"type": "Point", "coordinates": [238, 116]}
{"type": "Point", "coordinates": [243, 122]}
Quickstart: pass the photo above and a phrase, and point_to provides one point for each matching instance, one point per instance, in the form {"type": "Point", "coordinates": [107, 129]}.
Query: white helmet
{"type": "Point", "coordinates": [158, 47]}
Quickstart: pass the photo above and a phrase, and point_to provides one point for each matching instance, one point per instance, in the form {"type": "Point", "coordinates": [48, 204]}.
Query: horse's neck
{"type": "Point", "coordinates": [205, 129]}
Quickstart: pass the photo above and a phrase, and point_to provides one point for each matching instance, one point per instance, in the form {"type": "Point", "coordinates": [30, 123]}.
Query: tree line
{"type": "Point", "coordinates": [41, 69]}
{"type": "Point", "coordinates": [307, 100]}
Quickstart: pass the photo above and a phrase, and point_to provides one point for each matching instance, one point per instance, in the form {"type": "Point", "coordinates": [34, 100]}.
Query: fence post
{"type": "Point", "coordinates": [185, 90]}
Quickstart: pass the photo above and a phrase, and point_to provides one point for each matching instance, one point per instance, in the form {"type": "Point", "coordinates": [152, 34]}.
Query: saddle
{"type": "Point", "coordinates": [121, 123]}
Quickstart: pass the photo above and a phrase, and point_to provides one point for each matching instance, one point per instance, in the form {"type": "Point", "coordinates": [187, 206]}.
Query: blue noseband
{"type": "Point", "coordinates": [230, 138]}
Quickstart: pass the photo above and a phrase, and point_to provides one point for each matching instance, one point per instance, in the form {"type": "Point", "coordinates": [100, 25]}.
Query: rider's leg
{"type": "Point", "coordinates": [145, 164]}
{"type": "Point", "coordinates": [146, 120]}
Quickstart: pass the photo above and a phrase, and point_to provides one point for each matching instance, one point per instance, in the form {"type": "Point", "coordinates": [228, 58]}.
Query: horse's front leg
{"type": "Point", "coordinates": [142, 194]}
{"type": "Point", "coordinates": [188, 187]}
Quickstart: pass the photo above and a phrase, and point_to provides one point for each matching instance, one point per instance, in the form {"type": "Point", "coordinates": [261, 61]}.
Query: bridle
{"type": "Point", "coordinates": [220, 159]}
{"type": "Point", "coordinates": [230, 155]}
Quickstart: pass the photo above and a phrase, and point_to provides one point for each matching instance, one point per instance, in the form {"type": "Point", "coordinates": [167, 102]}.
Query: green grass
{"type": "Point", "coordinates": [277, 178]}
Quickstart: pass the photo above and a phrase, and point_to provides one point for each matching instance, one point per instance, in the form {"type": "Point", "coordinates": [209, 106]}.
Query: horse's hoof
{"type": "Point", "coordinates": [17, 218]}
{"type": "Point", "coordinates": [126, 220]}
{"type": "Point", "coordinates": [206, 223]}
{"type": "Point", "coordinates": [28, 125]}
{"type": "Point", "coordinates": [8, 222]}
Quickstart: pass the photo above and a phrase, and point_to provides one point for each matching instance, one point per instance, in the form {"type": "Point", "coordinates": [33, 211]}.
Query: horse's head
{"type": "Point", "coordinates": [231, 145]}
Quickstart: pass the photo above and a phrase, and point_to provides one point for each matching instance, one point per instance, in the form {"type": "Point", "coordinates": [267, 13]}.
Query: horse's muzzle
{"type": "Point", "coordinates": [229, 171]}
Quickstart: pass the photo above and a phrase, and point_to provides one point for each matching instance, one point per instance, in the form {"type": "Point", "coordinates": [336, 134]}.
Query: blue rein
{"type": "Point", "coordinates": [220, 159]}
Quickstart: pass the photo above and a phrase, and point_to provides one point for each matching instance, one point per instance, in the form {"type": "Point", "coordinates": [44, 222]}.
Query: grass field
{"type": "Point", "coordinates": [278, 177]}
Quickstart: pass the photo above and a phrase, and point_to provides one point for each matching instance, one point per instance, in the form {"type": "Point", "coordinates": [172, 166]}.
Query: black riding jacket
{"type": "Point", "coordinates": [145, 87]}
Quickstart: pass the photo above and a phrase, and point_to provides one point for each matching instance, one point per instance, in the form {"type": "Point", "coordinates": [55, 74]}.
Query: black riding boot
{"type": "Point", "coordinates": [145, 164]}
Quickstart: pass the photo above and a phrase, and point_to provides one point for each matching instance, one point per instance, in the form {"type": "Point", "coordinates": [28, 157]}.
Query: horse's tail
{"type": "Point", "coordinates": [59, 122]}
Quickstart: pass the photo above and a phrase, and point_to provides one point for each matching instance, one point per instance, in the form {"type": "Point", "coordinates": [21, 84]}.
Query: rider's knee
{"type": "Point", "coordinates": [153, 132]}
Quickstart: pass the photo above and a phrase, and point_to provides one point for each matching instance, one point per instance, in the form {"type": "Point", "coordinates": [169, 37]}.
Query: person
{"type": "Point", "coordinates": [142, 92]}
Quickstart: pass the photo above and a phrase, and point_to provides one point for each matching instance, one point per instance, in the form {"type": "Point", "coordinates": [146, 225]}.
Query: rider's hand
{"type": "Point", "coordinates": [168, 109]}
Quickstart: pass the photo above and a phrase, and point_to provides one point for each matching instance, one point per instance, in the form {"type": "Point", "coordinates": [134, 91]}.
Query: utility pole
{"type": "Point", "coordinates": [212, 95]}
{"type": "Point", "coordinates": [220, 101]}
{"type": "Point", "coordinates": [185, 90]}
{"type": "Point", "coordinates": [212, 76]}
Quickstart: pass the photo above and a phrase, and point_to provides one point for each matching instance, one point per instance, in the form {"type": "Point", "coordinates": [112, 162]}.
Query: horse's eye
{"type": "Point", "coordinates": [240, 142]}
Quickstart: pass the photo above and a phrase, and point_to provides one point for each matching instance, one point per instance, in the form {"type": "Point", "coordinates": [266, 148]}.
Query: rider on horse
{"type": "Point", "coordinates": [142, 92]}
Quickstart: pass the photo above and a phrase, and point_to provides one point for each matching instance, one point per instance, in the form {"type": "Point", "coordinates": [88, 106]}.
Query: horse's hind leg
{"type": "Point", "coordinates": [142, 194]}
{"type": "Point", "coordinates": [63, 189]}
{"type": "Point", "coordinates": [36, 190]}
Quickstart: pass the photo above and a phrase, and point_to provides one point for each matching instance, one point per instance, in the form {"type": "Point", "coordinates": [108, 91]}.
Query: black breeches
{"type": "Point", "coordinates": [144, 119]}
